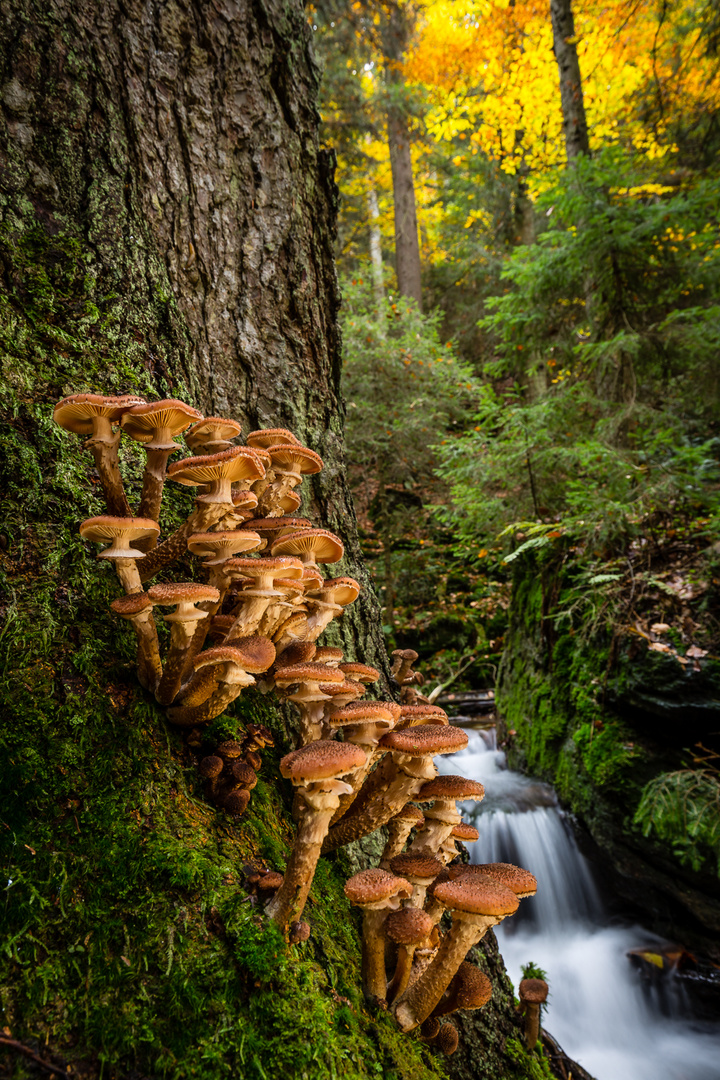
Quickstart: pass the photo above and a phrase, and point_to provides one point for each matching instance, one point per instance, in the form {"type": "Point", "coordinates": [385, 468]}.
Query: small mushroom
{"type": "Point", "coordinates": [399, 828]}
{"type": "Point", "coordinates": [420, 870]}
{"type": "Point", "coordinates": [210, 769]}
{"type": "Point", "coordinates": [212, 435]}
{"type": "Point", "coordinates": [407, 928]}
{"type": "Point", "coordinates": [402, 662]}
{"type": "Point", "coordinates": [236, 802]}
{"type": "Point", "coordinates": [137, 609]}
{"type": "Point", "coordinates": [377, 892]}
{"type": "Point", "coordinates": [447, 1039]}
{"type": "Point", "coordinates": [299, 931]}
{"type": "Point", "coordinates": [470, 988]}
{"type": "Point", "coordinates": [154, 425]}
{"type": "Point", "coordinates": [300, 683]}
{"type": "Point", "coordinates": [255, 599]}
{"type": "Point", "coordinates": [236, 664]}
{"type": "Point", "coordinates": [289, 464]}
{"type": "Point", "coordinates": [121, 532]}
{"type": "Point", "coordinates": [443, 815]}
{"type": "Point", "coordinates": [533, 994]}
{"type": "Point", "coordinates": [183, 623]}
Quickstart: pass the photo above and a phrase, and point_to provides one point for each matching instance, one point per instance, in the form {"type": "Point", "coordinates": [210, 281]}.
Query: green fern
{"type": "Point", "coordinates": [683, 808]}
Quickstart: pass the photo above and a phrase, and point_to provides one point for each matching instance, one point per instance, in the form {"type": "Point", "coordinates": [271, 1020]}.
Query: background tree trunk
{"type": "Point", "coordinates": [571, 93]}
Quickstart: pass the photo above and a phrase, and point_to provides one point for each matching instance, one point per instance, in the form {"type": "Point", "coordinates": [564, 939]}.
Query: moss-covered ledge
{"type": "Point", "coordinates": [596, 713]}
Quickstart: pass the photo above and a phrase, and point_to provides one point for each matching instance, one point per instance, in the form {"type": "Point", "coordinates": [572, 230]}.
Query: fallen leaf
{"type": "Point", "coordinates": [660, 628]}
{"type": "Point", "coordinates": [695, 652]}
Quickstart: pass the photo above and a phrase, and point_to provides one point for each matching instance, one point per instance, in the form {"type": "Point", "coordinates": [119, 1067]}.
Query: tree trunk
{"type": "Point", "coordinates": [396, 32]}
{"type": "Point", "coordinates": [571, 93]}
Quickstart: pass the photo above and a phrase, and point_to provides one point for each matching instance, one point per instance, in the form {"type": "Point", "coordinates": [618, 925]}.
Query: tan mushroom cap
{"type": "Point", "coordinates": [471, 987]}
{"type": "Point", "coordinates": [419, 714]}
{"type": "Point", "coordinates": [309, 672]}
{"type": "Point", "coordinates": [512, 877]}
{"type": "Point", "coordinates": [295, 459]}
{"type": "Point", "coordinates": [465, 831]}
{"type": "Point", "coordinates": [278, 524]}
{"type": "Point", "coordinates": [268, 437]}
{"type": "Point", "coordinates": [344, 687]}
{"type": "Point", "coordinates": [291, 586]}
{"type": "Point", "coordinates": [533, 991]}
{"type": "Point", "coordinates": [447, 1039]}
{"type": "Point", "coordinates": [361, 672]}
{"type": "Point", "coordinates": [300, 652]}
{"type": "Point", "coordinates": [289, 503]}
{"type": "Point", "coordinates": [448, 873]}
{"type": "Point", "coordinates": [156, 422]}
{"type": "Point", "coordinates": [328, 654]}
{"type": "Point", "coordinates": [78, 411]}
{"type": "Point", "coordinates": [130, 605]}
{"type": "Point", "coordinates": [171, 592]}
{"type": "Point", "coordinates": [321, 760]}
{"type": "Point", "coordinates": [229, 749]}
{"type": "Point", "coordinates": [318, 544]}
{"type": "Point", "coordinates": [252, 654]}
{"type": "Point", "coordinates": [223, 544]}
{"type": "Point", "coordinates": [372, 886]}
{"type": "Point", "coordinates": [409, 813]}
{"type": "Point", "coordinates": [113, 529]}
{"type": "Point", "coordinates": [477, 896]}
{"type": "Point", "coordinates": [340, 590]}
{"type": "Point", "coordinates": [450, 787]}
{"type": "Point", "coordinates": [237, 463]}
{"type": "Point", "coordinates": [213, 429]}
{"type": "Point", "coordinates": [425, 739]}
{"type": "Point", "coordinates": [313, 578]}
{"type": "Point", "coordinates": [369, 712]}
{"type": "Point", "coordinates": [280, 567]}
{"type": "Point", "coordinates": [408, 926]}
{"type": "Point", "coordinates": [244, 500]}
{"type": "Point", "coordinates": [424, 867]}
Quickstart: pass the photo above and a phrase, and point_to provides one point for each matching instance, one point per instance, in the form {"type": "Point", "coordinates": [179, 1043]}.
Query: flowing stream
{"type": "Point", "coordinates": [600, 1009]}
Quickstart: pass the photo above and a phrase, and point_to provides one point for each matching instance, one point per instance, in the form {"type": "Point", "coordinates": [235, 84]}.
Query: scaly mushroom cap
{"type": "Point", "coordinates": [243, 774]}
{"type": "Point", "coordinates": [328, 654]}
{"type": "Point", "coordinates": [369, 712]}
{"type": "Point", "coordinates": [423, 867]}
{"type": "Point", "coordinates": [361, 672]}
{"type": "Point", "coordinates": [448, 873]}
{"type": "Point", "coordinates": [244, 500]}
{"type": "Point", "coordinates": [168, 593]}
{"type": "Point", "coordinates": [522, 882]}
{"type": "Point", "coordinates": [345, 687]}
{"type": "Point", "coordinates": [408, 926]}
{"type": "Point", "coordinates": [133, 604]}
{"type": "Point", "coordinates": [210, 767]}
{"type": "Point", "coordinates": [229, 750]}
{"type": "Point", "coordinates": [477, 897]}
{"type": "Point", "coordinates": [298, 673]}
{"type": "Point", "coordinates": [412, 715]}
{"type": "Point", "coordinates": [280, 525]}
{"type": "Point", "coordinates": [471, 987]}
{"type": "Point", "coordinates": [284, 567]}
{"type": "Point", "coordinates": [300, 652]}
{"type": "Point", "coordinates": [252, 654]}
{"type": "Point", "coordinates": [447, 1039]}
{"type": "Point", "coordinates": [268, 437]}
{"type": "Point", "coordinates": [425, 739]}
{"type": "Point", "coordinates": [269, 883]}
{"type": "Point", "coordinates": [211, 431]}
{"type": "Point", "coordinates": [465, 831]}
{"type": "Point", "coordinates": [322, 545]}
{"type": "Point", "coordinates": [409, 813]}
{"type": "Point", "coordinates": [372, 886]}
{"type": "Point", "coordinates": [78, 411]}
{"type": "Point", "coordinates": [222, 544]}
{"type": "Point", "coordinates": [321, 760]}
{"type": "Point", "coordinates": [156, 423]}
{"type": "Point", "coordinates": [449, 787]}
{"type": "Point", "coordinates": [105, 527]}
{"type": "Point", "coordinates": [237, 463]}
{"type": "Point", "coordinates": [236, 802]}
{"type": "Point", "coordinates": [295, 459]}
{"type": "Point", "coordinates": [533, 991]}
{"type": "Point", "coordinates": [340, 590]}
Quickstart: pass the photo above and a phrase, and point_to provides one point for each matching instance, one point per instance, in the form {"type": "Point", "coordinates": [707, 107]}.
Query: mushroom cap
{"type": "Point", "coordinates": [313, 578]}
{"type": "Point", "coordinates": [372, 886]}
{"type": "Point", "coordinates": [476, 896]}
{"type": "Point", "coordinates": [289, 503]}
{"type": "Point", "coordinates": [321, 760]}
{"type": "Point", "coordinates": [323, 545]}
{"type": "Point", "coordinates": [282, 567]}
{"type": "Point", "coordinates": [132, 604]}
{"type": "Point", "coordinates": [270, 882]}
{"type": "Point", "coordinates": [294, 458]}
{"type": "Point", "coordinates": [299, 931]}
{"type": "Point", "coordinates": [244, 500]}
{"type": "Point", "coordinates": [212, 429]}
{"type": "Point", "coordinates": [229, 749]}
{"type": "Point", "coordinates": [408, 926]}
{"type": "Point", "coordinates": [107, 528]}
{"type": "Point", "coordinates": [450, 787]}
{"type": "Point", "coordinates": [300, 652]}
{"type": "Point", "coordinates": [421, 714]}
{"type": "Point", "coordinates": [143, 422]}
{"type": "Point", "coordinates": [252, 654]}
{"type": "Point", "coordinates": [513, 877]}
{"type": "Point", "coordinates": [366, 712]}
{"type": "Point", "coordinates": [448, 873]}
{"type": "Point", "coordinates": [425, 739]}
{"type": "Point", "coordinates": [168, 593]}
{"type": "Point", "coordinates": [237, 463]}
{"type": "Point", "coordinates": [211, 766]}
{"type": "Point", "coordinates": [471, 987]}
{"type": "Point", "coordinates": [339, 590]}
{"type": "Point", "coordinates": [361, 672]}
{"type": "Point", "coordinates": [236, 802]}
{"type": "Point", "coordinates": [310, 672]}
{"type": "Point", "coordinates": [465, 831]}
{"type": "Point", "coordinates": [404, 654]}
{"type": "Point", "coordinates": [290, 586]}
{"type": "Point", "coordinates": [276, 525]}
{"type": "Point", "coordinates": [347, 686]}
{"type": "Point", "coordinates": [211, 543]}
{"type": "Point", "coordinates": [327, 654]}
{"type": "Point", "coordinates": [425, 867]}
{"type": "Point", "coordinates": [533, 991]}
{"type": "Point", "coordinates": [447, 1039]}
{"type": "Point", "coordinates": [77, 412]}
{"type": "Point", "coordinates": [220, 624]}
{"type": "Point", "coordinates": [244, 774]}
{"type": "Point", "coordinates": [268, 437]}
{"type": "Point", "coordinates": [409, 813]}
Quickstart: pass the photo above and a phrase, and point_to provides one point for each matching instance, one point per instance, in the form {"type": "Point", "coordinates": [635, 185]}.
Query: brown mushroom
{"type": "Point", "coordinates": [137, 609]}
{"type": "Point", "coordinates": [256, 598]}
{"type": "Point", "coordinates": [154, 425]}
{"type": "Point", "coordinates": [402, 662]}
{"type": "Point", "coordinates": [533, 994]}
{"type": "Point", "coordinates": [407, 928]}
{"type": "Point", "coordinates": [399, 828]}
{"type": "Point", "coordinates": [212, 435]}
{"type": "Point", "coordinates": [443, 816]}
{"type": "Point", "coordinates": [300, 683]}
{"type": "Point", "coordinates": [447, 1039]}
{"type": "Point", "coordinates": [470, 988]}
{"type": "Point", "coordinates": [420, 870]}
{"type": "Point", "coordinates": [290, 463]}
{"type": "Point", "coordinates": [121, 532]}
{"type": "Point", "coordinates": [378, 893]}
{"type": "Point", "coordinates": [236, 665]}
{"type": "Point", "coordinates": [183, 623]}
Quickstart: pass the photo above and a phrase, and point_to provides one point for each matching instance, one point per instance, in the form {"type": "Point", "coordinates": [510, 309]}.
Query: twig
{"type": "Point", "coordinates": [13, 1044]}
{"type": "Point", "coordinates": [435, 694]}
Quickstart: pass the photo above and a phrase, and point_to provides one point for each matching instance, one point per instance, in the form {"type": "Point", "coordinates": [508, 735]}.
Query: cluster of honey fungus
{"type": "Point", "coordinates": [256, 619]}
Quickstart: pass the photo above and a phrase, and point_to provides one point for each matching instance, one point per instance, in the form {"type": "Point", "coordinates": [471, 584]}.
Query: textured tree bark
{"type": "Point", "coordinates": [571, 93]}
{"type": "Point", "coordinates": [178, 141]}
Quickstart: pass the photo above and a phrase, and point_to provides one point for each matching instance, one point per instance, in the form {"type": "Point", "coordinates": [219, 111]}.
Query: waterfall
{"type": "Point", "coordinates": [599, 1008]}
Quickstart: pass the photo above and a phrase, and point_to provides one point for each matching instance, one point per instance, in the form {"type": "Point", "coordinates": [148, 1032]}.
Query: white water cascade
{"type": "Point", "coordinates": [599, 1010]}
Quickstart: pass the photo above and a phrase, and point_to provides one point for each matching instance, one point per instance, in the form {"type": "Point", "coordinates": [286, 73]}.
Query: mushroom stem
{"type": "Point", "coordinates": [398, 831]}
{"type": "Point", "coordinates": [128, 575]}
{"type": "Point", "coordinates": [201, 519]}
{"type": "Point", "coordinates": [439, 824]}
{"type": "Point", "coordinates": [152, 489]}
{"type": "Point", "coordinates": [418, 1002]}
{"type": "Point", "coordinates": [149, 666]}
{"type": "Point", "coordinates": [253, 606]}
{"type": "Point", "coordinates": [221, 697]}
{"type": "Point", "coordinates": [198, 688]}
{"type": "Point", "coordinates": [373, 953]}
{"type": "Point", "coordinates": [532, 1024]}
{"type": "Point", "coordinates": [403, 967]}
{"type": "Point", "coordinates": [104, 451]}
{"type": "Point", "coordinates": [181, 638]}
